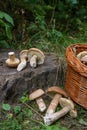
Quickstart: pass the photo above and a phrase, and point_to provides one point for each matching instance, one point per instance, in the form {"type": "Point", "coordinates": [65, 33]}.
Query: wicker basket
{"type": "Point", "coordinates": [76, 76]}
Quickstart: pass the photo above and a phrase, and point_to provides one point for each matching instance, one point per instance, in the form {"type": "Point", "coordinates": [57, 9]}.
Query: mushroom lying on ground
{"type": "Point", "coordinates": [36, 95]}
{"type": "Point", "coordinates": [12, 61]}
{"type": "Point", "coordinates": [23, 58]}
{"type": "Point", "coordinates": [59, 92]}
{"type": "Point", "coordinates": [57, 89]}
{"type": "Point", "coordinates": [53, 105]}
{"type": "Point", "coordinates": [67, 106]}
{"type": "Point", "coordinates": [35, 57]}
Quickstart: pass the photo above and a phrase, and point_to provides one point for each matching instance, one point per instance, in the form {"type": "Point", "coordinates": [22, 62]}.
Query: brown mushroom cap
{"type": "Point", "coordinates": [40, 55]}
{"type": "Point", "coordinates": [24, 54]}
{"type": "Point", "coordinates": [66, 102]}
{"type": "Point", "coordinates": [58, 90]}
{"type": "Point", "coordinates": [36, 94]}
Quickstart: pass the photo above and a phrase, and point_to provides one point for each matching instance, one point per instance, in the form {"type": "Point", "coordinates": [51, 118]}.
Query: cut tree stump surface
{"type": "Point", "coordinates": [13, 84]}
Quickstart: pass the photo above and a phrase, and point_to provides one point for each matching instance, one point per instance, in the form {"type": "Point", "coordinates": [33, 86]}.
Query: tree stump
{"type": "Point", "coordinates": [13, 84]}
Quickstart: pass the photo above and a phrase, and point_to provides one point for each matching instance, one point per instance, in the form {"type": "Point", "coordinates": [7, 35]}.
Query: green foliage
{"type": "Point", "coordinates": [17, 109]}
{"type": "Point", "coordinates": [41, 21]}
{"type": "Point", "coordinates": [6, 23]}
{"type": "Point", "coordinates": [6, 107]}
{"type": "Point", "coordinates": [24, 98]}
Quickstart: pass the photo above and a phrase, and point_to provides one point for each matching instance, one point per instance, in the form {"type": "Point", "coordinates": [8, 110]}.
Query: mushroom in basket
{"type": "Point", "coordinates": [82, 56]}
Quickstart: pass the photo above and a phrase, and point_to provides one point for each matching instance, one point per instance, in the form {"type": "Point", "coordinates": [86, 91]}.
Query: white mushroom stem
{"type": "Point", "coordinates": [22, 65]}
{"type": "Point", "coordinates": [49, 119]}
{"type": "Point", "coordinates": [11, 56]}
{"type": "Point", "coordinates": [33, 61]}
{"type": "Point", "coordinates": [53, 105]}
{"type": "Point", "coordinates": [41, 104]}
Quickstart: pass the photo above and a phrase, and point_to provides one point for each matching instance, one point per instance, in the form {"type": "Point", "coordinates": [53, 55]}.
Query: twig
{"type": "Point", "coordinates": [33, 109]}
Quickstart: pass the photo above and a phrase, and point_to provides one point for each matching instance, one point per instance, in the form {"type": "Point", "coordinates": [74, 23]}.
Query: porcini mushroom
{"type": "Point", "coordinates": [12, 61]}
{"type": "Point", "coordinates": [59, 92]}
{"type": "Point", "coordinates": [35, 57]}
{"type": "Point", "coordinates": [53, 105]}
{"type": "Point", "coordinates": [81, 54]}
{"type": "Point", "coordinates": [23, 58]}
{"type": "Point", "coordinates": [68, 106]}
{"type": "Point", "coordinates": [36, 95]}
{"type": "Point", "coordinates": [84, 59]}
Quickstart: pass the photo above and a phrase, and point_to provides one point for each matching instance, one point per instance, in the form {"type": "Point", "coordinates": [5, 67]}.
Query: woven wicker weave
{"type": "Point", "coordinates": [76, 77]}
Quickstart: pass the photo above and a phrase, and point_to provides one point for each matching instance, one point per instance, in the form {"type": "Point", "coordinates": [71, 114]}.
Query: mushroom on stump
{"type": "Point", "coordinates": [67, 106]}
{"type": "Point", "coordinates": [35, 57]}
{"type": "Point", "coordinates": [36, 95]}
{"type": "Point", "coordinates": [59, 92]}
{"type": "Point", "coordinates": [23, 58]}
{"type": "Point", "coordinates": [12, 61]}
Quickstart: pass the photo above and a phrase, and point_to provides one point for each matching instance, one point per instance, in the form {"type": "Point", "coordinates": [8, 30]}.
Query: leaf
{"type": "Point", "coordinates": [8, 31]}
{"type": "Point", "coordinates": [2, 23]}
{"type": "Point", "coordinates": [24, 99]}
{"type": "Point", "coordinates": [81, 121]}
{"type": "Point", "coordinates": [3, 43]}
{"type": "Point", "coordinates": [74, 1]}
{"type": "Point", "coordinates": [6, 107]}
{"type": "Point", "coordinates": [17, 109]}
{"type": "Point", "coordinates": [9, 19]}
{"type": "Point", "coordinates": [1, 14]}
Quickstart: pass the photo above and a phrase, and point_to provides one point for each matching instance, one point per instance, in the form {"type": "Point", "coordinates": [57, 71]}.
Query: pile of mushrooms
{"type": "Point", "coordinates": [60, 98]}
{"type": "Point", "coordinates": [34, 56]}
{"type": "Point", "coordinates": [82, 56]}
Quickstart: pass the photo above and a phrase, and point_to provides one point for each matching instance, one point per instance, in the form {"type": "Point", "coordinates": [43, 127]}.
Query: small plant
{"type": "Point", "coordinates": [24, 98]}
{"type": "Point", "coordinates": [6, 23]}
{"type": "Point", "coordinates": [6, 107]}
{"type": "Point", "coordinates": [17, 109]}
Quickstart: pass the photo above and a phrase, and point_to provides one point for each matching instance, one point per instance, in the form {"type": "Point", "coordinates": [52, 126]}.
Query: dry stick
{"type": "Point", "coordinates": [33, 109]}
{"type": "Point", "coordinates": [48, 95]}
{"type": "Point", "coordinates": [55, 82]}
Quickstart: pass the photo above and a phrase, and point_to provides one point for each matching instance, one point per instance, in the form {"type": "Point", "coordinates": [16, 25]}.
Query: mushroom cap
{"type": "Point", "coordinates": [81, 54]}
{"type": "Point", "coordinates": [58, 90]}
{"type": "Point", "coordinates": [73, 113]}
{"type": "Point", "coordinates": [11, 53]}
{"type": "Point", "coordinates": [24, 54]}
{"type": "Point", "coordinates": [84, 59]}
{"type": "Point", "coordinates": [39, 53]}
{"type": "Point", "coordinates": [12, 63]}
{"type": "Point", "coordinates": [36, 94]}
{"type": "Point", "coordinates": [66, 102]}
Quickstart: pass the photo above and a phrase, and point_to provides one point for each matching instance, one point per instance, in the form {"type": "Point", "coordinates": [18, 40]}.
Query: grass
{"type": "Point", "coordinates": [28, 117]}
